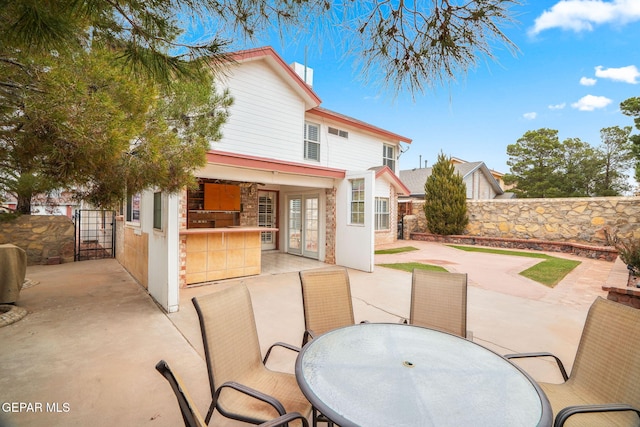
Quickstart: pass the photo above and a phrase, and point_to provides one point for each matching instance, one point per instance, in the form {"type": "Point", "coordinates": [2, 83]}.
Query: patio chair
{"type": "Point", "coordinates": [190, 413]}
{"type": "Point", "coordinates": [242, 388]}
{"type": "Point", "coordinates": [604, 386]}
{"type": "Point", "coordinates": [439, 301]}
{"type": "Point", "coordinates": [326, 300]}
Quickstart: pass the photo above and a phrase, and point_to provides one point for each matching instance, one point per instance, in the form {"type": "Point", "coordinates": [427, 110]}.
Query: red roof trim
{"type": "Point", "coordinates": [252, 162]}
{"type": "Point", "coordinates": [268, 51]}
{"type": "Point", "coordinates": [402, 189]}
{"type": "Point", "coordinates": [323, 112]}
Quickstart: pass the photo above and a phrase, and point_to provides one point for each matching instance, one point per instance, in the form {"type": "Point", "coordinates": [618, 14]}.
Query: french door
{"type": "Point", "coordinates": [267, 202]}
{"type": "Point", "coordinates": [303, 225]}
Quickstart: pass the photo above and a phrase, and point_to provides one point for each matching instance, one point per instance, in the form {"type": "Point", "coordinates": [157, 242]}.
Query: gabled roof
{"type": "Point", "coordinates": [311, 99]}
{"type": "Point", "coordinates": [415, 179]}
{"type": "Point", "coordinates": [386, 173]}
{"type": "Point", "coordinates": [359, 124]}
{"type": "Point", "coordinates": [287, 73]}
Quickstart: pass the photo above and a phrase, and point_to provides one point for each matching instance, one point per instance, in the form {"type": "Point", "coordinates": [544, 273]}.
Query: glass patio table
{"type": "Point", "coordinates": [382, 374]}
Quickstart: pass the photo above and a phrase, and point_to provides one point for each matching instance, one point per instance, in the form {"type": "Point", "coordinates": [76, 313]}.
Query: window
{"type": "Point", "coordinates": [357, 201]}
{"type": "Point", "coordinates": [133, 208]}
{"type": "Point", "coordinates": [341, 133]}
{"type": "Point", "coordinates": [389, 156]}
{"type": "Point", "coordinates": [382, 213]}
{"type": "Point", "coordinates": [157, 210]}
{"type": "Point", "coordinates": [311, 141]}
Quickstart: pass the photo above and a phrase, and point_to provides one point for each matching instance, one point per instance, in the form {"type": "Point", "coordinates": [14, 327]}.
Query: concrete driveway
{"type": "Point", "coordinates": [85, 353]}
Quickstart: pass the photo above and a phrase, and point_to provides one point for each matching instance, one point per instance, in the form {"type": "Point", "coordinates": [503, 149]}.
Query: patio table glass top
{"type": "Point", "coordinates": [400, 375]}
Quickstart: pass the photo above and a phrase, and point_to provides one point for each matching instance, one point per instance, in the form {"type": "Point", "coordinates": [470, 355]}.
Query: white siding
{"type": "Point", "coordinates": [267, 116]}
{"type": "Point", "coordinates": [267, 120]}
{"type": "Point", "coordinates": [359, 151]}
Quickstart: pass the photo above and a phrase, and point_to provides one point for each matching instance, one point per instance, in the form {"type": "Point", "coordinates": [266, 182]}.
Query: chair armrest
{"type": "Point", "coordinates": [308, 336]}
{"type": "Point", "coordinates": [563, 371]}
{"type": "Point", "coordinates": [253, 393]}
{"type": "Point", "coordinates": [565, 413]}
{"type": "Point", "coordinates": [281, 420]}
{"type": "Point", "coordinates": [280, 344]}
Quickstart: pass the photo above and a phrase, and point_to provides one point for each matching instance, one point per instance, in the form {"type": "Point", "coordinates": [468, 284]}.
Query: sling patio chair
{"type": "Point", "coordinates": [190, 413]}
{"type": "Point", "coordinates": [604, 386]}
{"type": "Point", "coordinates": [242, 387]}
{"type": "Point", "coordinates": [439, 301]}
{"type": "Point", "coordinates": [326, 300]}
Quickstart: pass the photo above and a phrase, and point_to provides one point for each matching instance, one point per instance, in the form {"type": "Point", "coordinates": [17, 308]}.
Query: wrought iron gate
{"type": "Point", "coordinates": [95, 234]}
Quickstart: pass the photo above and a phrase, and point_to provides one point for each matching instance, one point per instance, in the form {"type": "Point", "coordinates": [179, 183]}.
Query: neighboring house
{"type": "Point", "coordinates": [59, 203]}
{"type": "Point", "coordinates": [319, 183]}
{"type": "Point", "coordinates": [480, 181]}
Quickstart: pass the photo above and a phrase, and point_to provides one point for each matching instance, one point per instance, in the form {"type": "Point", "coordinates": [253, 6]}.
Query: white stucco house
{"type": "Point", "coordinates": [288, 175]}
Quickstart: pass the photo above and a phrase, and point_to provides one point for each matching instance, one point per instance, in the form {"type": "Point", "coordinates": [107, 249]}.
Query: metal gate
{"type": "Point", "coordinates": [95, 234]}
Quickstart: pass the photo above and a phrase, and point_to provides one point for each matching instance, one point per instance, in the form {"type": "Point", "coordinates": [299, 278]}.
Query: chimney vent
{"type": "Point", "coordinates": [305, 73]}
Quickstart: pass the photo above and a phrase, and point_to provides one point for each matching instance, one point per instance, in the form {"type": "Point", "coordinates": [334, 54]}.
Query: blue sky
{"type": "Point", "coordinates": [577, 60]}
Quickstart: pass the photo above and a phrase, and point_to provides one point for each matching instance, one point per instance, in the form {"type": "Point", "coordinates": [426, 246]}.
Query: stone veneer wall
{"type": "Point", "coordinates": [577, 220]}
{"type": "Point", "coordinates": [249, 201]}
{"type": "Point", "coordinates": [330, 221]}
{"type": "Point", "coordinates": [47, 239]}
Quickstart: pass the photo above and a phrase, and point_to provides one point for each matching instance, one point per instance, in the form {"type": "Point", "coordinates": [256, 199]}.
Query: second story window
{"type": "Point", "coordinates": [389, 156]}
{"type": "Point", "coordinates": [312, 141]}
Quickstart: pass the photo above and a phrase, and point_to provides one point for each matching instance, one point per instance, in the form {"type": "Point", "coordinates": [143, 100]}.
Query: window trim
{"type": "Point", "coordinates": [380, 214]}
{"type": "Point", "coordinates": [386, 160]}
{"type": "Point", "coordinates": [308, 142]}
{"type": "Point", "coordinates": [134, 200]}
{"type": "Point", "coordinates": [157, 210]}
{"type": "Point", "coordinates": [357, 202]}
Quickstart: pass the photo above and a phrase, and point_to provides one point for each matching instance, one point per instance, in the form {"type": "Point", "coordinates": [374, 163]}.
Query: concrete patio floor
{"type": "Point", "coordinates": [85, 353]}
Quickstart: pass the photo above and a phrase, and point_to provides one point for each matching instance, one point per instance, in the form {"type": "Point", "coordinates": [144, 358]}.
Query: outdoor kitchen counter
{"type": "Point", "coordinates": [221, 253]}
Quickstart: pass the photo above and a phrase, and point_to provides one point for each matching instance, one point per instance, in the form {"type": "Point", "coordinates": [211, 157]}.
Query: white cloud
{"type": "Point", "coordinates": [583, 15]}
{"type": "Point", "coordinates": [530, 116]}
{"type": "Point", "coordinates": [558, 106]}
{"type": "Point", "coordinates": [591, 102]}
{"type": "Point", "coordinates": [628, 74]}
{"type": "Point", "coordinates": [586, 81]}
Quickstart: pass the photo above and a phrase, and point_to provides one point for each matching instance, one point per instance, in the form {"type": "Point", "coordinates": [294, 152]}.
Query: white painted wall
{"type": "Point", "coordinates": [355, 243]}
{"type": "Point", "coordinates": [267, 120]}
{"type": "Point", "coordinates": [163, 262]}
{"type": "Point", "coordinates": [267, 116]}
{"type": "Point", "coordinates": [360, 151]}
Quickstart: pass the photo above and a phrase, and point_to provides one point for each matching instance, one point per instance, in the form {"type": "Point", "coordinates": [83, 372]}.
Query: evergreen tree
{"type": "Point", "coordinates": [445, 199]}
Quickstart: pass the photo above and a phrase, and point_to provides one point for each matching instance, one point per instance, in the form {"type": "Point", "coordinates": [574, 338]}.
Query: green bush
{"type": "Point", "coordinates": [445, 199]}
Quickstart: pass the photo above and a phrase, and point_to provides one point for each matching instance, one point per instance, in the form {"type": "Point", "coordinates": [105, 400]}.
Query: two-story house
{"type": "Point", "coordinates": [287, 175]}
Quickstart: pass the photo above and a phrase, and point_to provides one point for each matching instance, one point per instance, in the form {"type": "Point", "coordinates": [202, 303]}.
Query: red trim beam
{"type": "Point", "coordinates": [261, 163]}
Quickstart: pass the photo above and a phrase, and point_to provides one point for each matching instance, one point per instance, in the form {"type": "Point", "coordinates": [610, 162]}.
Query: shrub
{"type": "Point", "coordinates": [629, 252]}
{"type": "Point", "coordinates": [445, 199]}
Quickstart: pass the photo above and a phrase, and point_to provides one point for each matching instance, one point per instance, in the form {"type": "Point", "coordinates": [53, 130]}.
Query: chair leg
{"type": "Point", "coordinates": [210, 413]}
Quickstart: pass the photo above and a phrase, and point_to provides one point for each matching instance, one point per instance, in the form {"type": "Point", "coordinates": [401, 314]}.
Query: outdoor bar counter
{"type": "Point", "coordinates": [222, 253]}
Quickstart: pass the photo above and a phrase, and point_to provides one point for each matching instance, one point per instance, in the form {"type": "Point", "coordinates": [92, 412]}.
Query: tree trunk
{"type": "Point", "coordinates": [24, 204]}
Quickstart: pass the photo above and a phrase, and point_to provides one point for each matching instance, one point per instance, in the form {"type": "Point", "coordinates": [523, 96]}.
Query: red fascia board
{"type": "Point", "coordinates": [402, 189]}
{"type": "Point", "coordinates": [323, 112]}
{"type": "Point", "coordinates": [268, 51]}
{"type": "Point", "coordinates": [261, 163]}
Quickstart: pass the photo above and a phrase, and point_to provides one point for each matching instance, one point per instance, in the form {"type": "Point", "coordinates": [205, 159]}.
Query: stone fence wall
{"type": "Point", "coordinates": [47, 239]}
{"type": "Point", "coordinates": [590, 221]}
